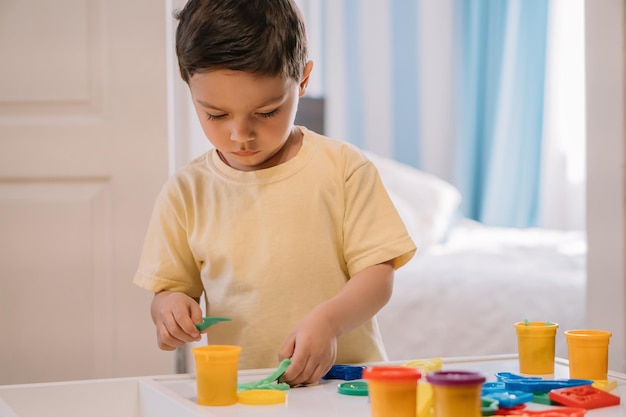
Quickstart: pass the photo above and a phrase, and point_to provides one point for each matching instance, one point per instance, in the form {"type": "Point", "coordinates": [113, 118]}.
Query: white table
{"type": "Point", "coordinates": [174, 395]}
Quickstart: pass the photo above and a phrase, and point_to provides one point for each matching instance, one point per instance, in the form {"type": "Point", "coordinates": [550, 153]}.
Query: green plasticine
{"type": "Point", "coordinates": [268, 381]}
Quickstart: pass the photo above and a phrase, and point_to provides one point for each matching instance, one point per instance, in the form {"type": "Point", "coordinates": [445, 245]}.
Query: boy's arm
{"type": "Point", "coordinates": [175, 315]}
{"type": "Point", "coordinates": [312, 344]}
{"type": "Point", "coordinates": [361, 298]}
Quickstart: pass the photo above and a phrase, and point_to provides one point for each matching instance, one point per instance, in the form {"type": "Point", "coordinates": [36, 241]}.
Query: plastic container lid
{"type": "Point", "coordinates": [587, 334]}
{"type": "Point", "coordinates": [358, 388]}
{"type": "Point", "coordinates": [455, 378]}
{"type": "Point", "coordinates": [391, 374]}
{"type": "Point", "coordinates": [262, 397]}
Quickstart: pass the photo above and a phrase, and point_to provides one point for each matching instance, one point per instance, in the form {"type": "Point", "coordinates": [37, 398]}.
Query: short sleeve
{"type": "Point", "coordinates": [166, 261]}
{"type": "Point", "coordinates": [373, 230]}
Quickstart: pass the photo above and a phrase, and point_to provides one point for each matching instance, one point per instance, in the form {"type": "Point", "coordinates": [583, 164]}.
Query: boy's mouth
{"type": "Point", "coordinates": [244, 153]}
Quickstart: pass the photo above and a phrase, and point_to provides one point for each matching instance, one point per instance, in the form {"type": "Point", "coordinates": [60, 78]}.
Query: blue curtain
{"type": "Point", "coordinates": [402, 42]}
{"type": "Point", "coordinates": [405, 86]}
{"type": "Point", "coordinates": [501, 71]}
{"type": "Point", "coordinates": [371, 64]}
{"type": "Point", "coordinates": [353, 84]}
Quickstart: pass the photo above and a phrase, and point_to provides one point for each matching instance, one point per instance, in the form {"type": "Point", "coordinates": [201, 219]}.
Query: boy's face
{"type": "Point", "coordinates": [248, 118]}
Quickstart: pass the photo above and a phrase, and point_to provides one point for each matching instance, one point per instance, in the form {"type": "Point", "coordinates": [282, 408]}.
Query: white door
{"type": "Point", "coordinates": [83, 153]}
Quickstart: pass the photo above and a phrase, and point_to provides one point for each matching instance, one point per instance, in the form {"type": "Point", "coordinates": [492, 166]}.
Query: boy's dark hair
{"type": "Point", "coordinates": [264, 37]}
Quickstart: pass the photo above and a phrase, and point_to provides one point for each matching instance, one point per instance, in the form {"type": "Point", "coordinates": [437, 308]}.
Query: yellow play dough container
{"type": "Point", "coordinates": [216, 374]}
{"type": "Point", "coordinates": [456, 393]}
{"type": "Point", "coordinates": [392, 390]}
{"type": "Point", "coordinates": [588, 353]}
{"type": "Point", "coordinates": [535, 346]}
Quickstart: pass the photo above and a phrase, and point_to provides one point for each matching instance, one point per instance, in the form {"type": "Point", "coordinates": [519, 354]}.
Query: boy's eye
{"type": "Point", "coordinates": [210, 116]}
{"type": "Point", "coordinates": [269, 114]}
{"type": "Point", "coordinates": [265, 115]}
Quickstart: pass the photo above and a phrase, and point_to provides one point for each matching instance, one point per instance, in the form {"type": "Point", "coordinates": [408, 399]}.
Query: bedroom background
{"type": "Point", "coordinates": [467, 91]}
{"type": "Point", "coordinates": [487, 96]}
{"type": "Point", "coordinates": [93, 117]}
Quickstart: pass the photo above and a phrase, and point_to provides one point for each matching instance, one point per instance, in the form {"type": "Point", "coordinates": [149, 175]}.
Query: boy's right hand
{"type": "Point", "coordinates": [175, 315]}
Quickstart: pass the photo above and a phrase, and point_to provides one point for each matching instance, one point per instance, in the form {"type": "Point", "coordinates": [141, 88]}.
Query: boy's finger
{"type": "Point", "coordinates": [187, 325]}
{"type": "Point", "coordinates": [178, 332]}
{"type": "Point", "coordinates": [286, 350]}
{"type": "Point", "coordinates": [197, 317]}
{"type": "Point", "coordinates": [165, 339]}
{"type": "Point", "coordinates": [294, 374]}
{"type": "Point", "coordinates": [317, 374]}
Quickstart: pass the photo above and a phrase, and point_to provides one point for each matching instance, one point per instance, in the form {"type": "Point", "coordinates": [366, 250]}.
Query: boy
{"type": "Point", "coordinates": [288, 233]}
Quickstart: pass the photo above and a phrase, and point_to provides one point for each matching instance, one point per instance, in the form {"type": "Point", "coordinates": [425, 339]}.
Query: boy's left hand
{"type": "Point", "coordinates": [312, 344]}
{"type": "Point", "coordinates": [312, 348]}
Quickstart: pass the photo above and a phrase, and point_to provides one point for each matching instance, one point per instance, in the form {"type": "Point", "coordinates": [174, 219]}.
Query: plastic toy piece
{"type": "Point", "coordinates": [542, 398]}
{"type": "Point", "coordinates": [357, 388]}
{"type": "Point", "coordinates": [426, 365]}
{"type": "Point", "coordinates": [210, 321]}
{"type": "Point", "coordinates": [425, 400]}
{"type": "Point", "coordinates": [501, 376]}
{"type": "Point", "coordinates": [493, 387]}
{"type": "Point", "coordinates": [345, 372]}
{"type": "Point", "coordinates": [586, 396]}
{"type": "Point", "coordinates": [268, 382]}
{"type": "Point", "coordinates": [489, 406]}
{"type": "Point", "coordinates": [604, 385]}
{"type": "Point", "coordinates": [506, 398]}
{"type": "Point", "coordinates": [537, 385]}
{"type": "Point", "coordinates": [552, 412]}
{"type": "Point", "coordinates": [544, 385]}
{"type": "Point", "coordinates": [509, 399]}
{"type": "Point", "coordinates": [512, 411]}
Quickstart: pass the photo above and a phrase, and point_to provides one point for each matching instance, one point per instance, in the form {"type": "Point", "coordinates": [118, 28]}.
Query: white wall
{"type": "Point", "coordinates": [563, 174]}
{"type": "Point", "coordinates": [606, 287]}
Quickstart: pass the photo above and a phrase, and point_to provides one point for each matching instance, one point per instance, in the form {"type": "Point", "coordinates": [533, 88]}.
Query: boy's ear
{"type": "Point", "coordinates": [304, 82]}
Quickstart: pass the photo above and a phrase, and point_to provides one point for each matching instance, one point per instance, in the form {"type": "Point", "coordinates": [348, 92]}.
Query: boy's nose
{"type": "Point", "coordinates": [241, 132]}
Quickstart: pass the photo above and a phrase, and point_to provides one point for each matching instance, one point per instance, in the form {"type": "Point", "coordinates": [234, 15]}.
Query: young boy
{"type": "Point", "coordinates": [288, 233]}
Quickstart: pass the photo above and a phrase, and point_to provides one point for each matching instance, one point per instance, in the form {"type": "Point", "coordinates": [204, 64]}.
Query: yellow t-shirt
{"type": "Point", "coordinates": [268, 246]}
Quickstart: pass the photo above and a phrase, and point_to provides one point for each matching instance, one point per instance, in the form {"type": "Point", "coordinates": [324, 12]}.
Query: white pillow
{"type": "Point", "coordinates": [426, 203]}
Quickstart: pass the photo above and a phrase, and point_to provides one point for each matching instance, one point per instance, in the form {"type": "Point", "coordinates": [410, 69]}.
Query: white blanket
{"type": "Point", "coordinates": [463, 296]}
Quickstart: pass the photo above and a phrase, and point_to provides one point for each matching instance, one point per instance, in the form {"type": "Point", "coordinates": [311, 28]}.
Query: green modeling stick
{"type": "Point", "coordinates": [210, 321]}
{"type": "Point", "coordinates": [268, 382]}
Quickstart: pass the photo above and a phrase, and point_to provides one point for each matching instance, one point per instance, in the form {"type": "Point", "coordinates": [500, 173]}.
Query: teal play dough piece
{"type": "Point", "coordinates": [268, 381]}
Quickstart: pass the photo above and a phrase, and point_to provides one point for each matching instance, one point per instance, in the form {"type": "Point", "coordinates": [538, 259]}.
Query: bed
{"type": "Point", "coordinates": [469, 282]}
